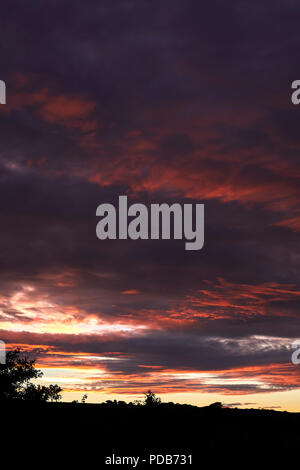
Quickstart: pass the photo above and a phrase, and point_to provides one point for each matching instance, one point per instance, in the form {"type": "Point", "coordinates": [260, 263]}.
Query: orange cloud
{"type": "Point", "coordinates": [130, 292]}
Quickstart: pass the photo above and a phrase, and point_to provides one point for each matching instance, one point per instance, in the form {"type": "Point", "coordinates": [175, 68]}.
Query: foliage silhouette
{"type": "Point", "coordinates": [151, 399]}
{"type": "Point", "coordinates": [15, 377]}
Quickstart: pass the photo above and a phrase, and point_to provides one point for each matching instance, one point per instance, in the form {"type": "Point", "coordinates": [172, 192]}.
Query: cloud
{"type": "Point", "coordinates": [166, 103]}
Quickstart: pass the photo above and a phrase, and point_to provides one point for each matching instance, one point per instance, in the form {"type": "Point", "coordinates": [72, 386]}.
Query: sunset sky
{"type": "Point", "coordinates": [162, 101]}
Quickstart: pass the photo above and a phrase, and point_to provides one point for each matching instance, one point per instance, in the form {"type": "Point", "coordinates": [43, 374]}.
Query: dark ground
{"type": "Point", "coordinates": [64, 435]}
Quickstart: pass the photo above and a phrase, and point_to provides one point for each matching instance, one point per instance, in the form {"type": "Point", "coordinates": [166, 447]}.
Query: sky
{"type": "Point", "coordinates": [162, 101]}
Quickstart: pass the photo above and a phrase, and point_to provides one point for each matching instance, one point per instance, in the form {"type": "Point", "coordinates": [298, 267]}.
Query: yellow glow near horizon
{"type": "Point", "coordinates": [281, 401]}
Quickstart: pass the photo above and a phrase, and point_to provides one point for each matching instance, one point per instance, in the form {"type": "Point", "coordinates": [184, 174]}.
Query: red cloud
{"type": "Point", "coordinates": [73, 111]}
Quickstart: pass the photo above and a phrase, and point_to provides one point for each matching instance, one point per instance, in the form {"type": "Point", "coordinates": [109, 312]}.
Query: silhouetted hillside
{"type": "Point", "coordinates": [87, 433]}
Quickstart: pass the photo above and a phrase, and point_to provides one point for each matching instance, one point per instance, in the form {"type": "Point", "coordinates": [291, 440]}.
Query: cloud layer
{"type": "Point", "coordinates": [167, 102]}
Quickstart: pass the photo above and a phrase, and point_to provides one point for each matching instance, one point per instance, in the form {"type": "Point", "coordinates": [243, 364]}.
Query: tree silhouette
{"type": "Point", "coordinates": [41, 393]}
{"type": "Point", "coordinates": [151, 399]}
{"type": "Point", "coordinates": [15, 377]}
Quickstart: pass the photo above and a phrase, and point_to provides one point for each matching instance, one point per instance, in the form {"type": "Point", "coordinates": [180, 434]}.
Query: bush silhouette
{"type": "Point", "coordinates": [15, 377]}
{"type": "Point", "coordinates": [217, 405]}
